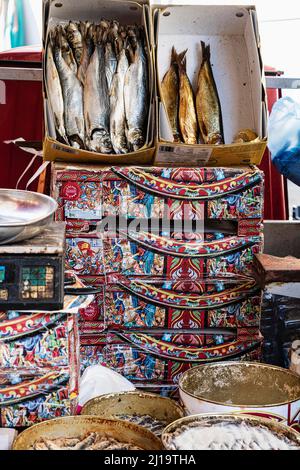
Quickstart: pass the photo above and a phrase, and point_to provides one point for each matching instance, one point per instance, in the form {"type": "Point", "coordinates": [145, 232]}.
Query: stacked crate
{"type": "Point", "coordinates": [172, 298]}
{"type": "Point", "coordinates": [39, 367]}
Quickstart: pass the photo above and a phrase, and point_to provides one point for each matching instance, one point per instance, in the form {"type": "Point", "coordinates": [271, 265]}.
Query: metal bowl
{"type": "Point", "coordinates": [74, 426]}
{"type": "Point", "coordinates": [129, 403]}
{"type": "Point", "coordinates": [209, 420]}
{"type": "Point", "coordinates": [243, 387]}
{"type": "Point", "coordinates": [23, 214]}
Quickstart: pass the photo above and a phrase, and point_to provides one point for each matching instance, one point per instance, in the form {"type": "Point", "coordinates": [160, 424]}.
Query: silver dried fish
{"type": "Point", "coordinates": [96, 102]}
{"type": "Point", "coordinates": [117, 107]}
{"type": "Point", "coordinates": [136, 96]}
{"type": "Point", "coordinates": [73, 97]}
{"type": "Point", "coordinates": [55, 95]}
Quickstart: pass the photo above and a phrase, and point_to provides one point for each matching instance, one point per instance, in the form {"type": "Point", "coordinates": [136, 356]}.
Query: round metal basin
{"type": "Point", "coordinates": [23, 214]}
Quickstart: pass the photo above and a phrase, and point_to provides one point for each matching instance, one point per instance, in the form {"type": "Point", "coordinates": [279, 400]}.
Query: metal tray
{"type": "Point", "coordinates": [23, 214]}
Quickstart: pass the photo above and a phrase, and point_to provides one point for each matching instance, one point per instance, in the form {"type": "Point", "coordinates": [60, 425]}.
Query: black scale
{"type": "Point", "coordinates": [32, 272]}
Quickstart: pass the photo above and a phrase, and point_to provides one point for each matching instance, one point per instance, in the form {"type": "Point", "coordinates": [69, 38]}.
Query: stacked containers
{"type": "Point", "coordinates": [162, 277]}
{"type": "Point", "coordinates": [158, 281]}
{"type": "Point", "coordinates": [39, 367]}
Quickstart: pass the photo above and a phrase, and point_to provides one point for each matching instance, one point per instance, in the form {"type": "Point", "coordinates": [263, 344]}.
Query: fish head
{"type": "Point", "coordinates": [214, 138]}
{"type": "Point", "coordinates": [136, 138]}
{"type": "Point", "coordinates": [101, 142]}
{"type": "Point", "coordinates": [121, 144]}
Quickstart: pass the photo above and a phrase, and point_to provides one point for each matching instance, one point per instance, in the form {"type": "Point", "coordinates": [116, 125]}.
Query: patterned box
{"type": "Point", "coordinates": [39, 367]}
{"type": "Point", "coordinates": [210, 303]}
{"type": "Point", "coordinates": [161, 358]}
{"type": "Point", "coordinates": [86, 194]}
{"type": "Point", "coordinates": [144, 254]}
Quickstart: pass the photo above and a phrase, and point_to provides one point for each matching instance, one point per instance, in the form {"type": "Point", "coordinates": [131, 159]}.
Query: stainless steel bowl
{"type": "Point", "coordinates": [23, 214]}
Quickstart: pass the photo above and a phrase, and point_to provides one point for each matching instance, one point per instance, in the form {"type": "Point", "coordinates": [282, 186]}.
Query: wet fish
{"type": "Point", "coordinates": [117, 106]}
{"type": "Point", "coordinates": [208, 105]}
{"type": "Point", "coordinates": [187, 113]}
{"type": "Point", "coordinates": [86, 30]}
{"type": "Point", "coordinates": [136, 97]}
{"type": "Point", "coordinates": [170, 93]}
{"type": "Point", "coordinates": [75, 40]}
{"type": "Point", "coordinates": [73, 98]}
{"type": "Point", "coordinates": [96, 102]}
{"type": "Point", "coordinates": [55, 95]}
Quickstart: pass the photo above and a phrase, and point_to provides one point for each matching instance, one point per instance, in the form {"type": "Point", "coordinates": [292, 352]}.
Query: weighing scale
{"type": "Point", "coordinates": [32, 271]}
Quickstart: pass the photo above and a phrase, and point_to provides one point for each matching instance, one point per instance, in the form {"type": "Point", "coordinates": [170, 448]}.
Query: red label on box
{"type": "Point", "coordinates": [71, 191]}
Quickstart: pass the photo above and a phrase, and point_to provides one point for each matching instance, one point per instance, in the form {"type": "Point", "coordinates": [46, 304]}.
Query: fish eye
{"type": "Point", "coordinates": [58, 5]}
{"type": "Point", "coordinates": [239, 15]}
{"type": "Point", "coordinates": [166, 13]}
{"type": "Point", "coordinates": [133, 8]}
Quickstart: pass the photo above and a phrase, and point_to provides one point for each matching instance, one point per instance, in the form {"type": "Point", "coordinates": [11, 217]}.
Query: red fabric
{"type": "Point", "coordinates": [275, 191]}
{"type": "Point", "coordinates": [20, 116]}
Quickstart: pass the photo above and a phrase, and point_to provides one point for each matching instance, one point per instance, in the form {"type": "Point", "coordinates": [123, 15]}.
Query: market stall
{"type": "Point", "coordinates": [131, 304]}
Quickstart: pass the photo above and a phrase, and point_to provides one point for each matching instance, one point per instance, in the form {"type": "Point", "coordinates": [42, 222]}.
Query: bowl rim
{"type": "Point", "coordinates": [95, 418]}
{"type": "Point", "coordinates": [33, 221]}
{"type": "Point", "coordinates": [234, 405]}
{"type": "Point", "coordinates": [235, 416]}
{"type": "Point", "coordinates": [143, 395]}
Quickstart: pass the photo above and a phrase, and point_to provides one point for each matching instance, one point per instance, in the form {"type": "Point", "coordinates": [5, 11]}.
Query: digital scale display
{"type": "Point", "coordinates": [37, 282]}
{"type": "Point", "coordinates": [2, 273]}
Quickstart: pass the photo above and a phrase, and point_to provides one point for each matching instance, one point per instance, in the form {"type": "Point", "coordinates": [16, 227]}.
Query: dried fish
{"type": "Point", "coordinates": [147, 421]}
{"type": "Point", "coordinates": [96, 101]}
{"type": "Point", "coordinates": [86, 30]}
{"type": "Point", "coordinates": [117, 107]}
{"type": "Point", "coordinates": [136, 96]}
{"type": "Point", "coordinates": [245, 135]}
{"type": "Point", "coordinates": [111, 64]}
{"type": "Point", "coordinates": [55, 96]}
{"type": "Point", "coordinates": [208, 103]}
{"type": "Point", "coordinates": [170, 93]}
{"type": "Point", "coordinates": [187, 113]}
{"type": "Point", "coordinates": [91, 441]}
{"type": "Point", "coordinates": [66, 50]}
{"type": "Point", "coordinates": [73, 97]}
{"type": "Point", "coordinates": [75, 40]}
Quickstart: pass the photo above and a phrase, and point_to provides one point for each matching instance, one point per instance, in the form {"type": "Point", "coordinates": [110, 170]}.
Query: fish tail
{"type": "Point", "coordinates": [178, 59]}
{"type": "Point", "coordinates": [205, 52]}
{"type": "Point", "coordinates": [181, 62]}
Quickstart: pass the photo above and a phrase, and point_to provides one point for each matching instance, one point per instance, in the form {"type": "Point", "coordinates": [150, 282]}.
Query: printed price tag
{"type": "Point", "coordinates": [180, 155]}
{"type": "Point", "coordinates": [64, 149]}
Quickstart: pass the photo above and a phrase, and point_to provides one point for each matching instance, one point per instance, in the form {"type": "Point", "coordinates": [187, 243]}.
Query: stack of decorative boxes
{"type": "Point", "coordinates": [172, 297]}
{"type": "Point", "coordinates": [39, 367]}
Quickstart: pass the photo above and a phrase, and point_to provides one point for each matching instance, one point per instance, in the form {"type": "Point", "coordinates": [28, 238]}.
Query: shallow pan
{"type": "Point", "coordinates": [23, 214]}
{"type": "Point", "coordinates": [74, 426]}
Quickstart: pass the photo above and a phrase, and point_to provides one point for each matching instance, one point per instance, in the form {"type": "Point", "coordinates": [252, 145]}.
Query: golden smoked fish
{"type": "Point", "coordinates": [208, 105]}
{"type": "Point", "coordinates": [187, 112]}
{"type": "Point", "coordinates": [170, 93]}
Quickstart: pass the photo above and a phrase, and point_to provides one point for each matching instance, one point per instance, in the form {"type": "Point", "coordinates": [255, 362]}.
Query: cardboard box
{"type": "Point", "coordinates": [188, 305]}
{"type": "Point", "coordinates": [86, 194]}
{"type": "Point", "coordinates": [39, 367]}
{"type": "Point", "coordinates": [127, 12]}
{"type": "Point", "coordinates": [34, 396]}
{"type": "Point", "coordinates": [91, 350]}
{"type": "Point", "coordinates": [142, 254]}
{"type": "Point", "coordinates": [162, 358]}
{"type": "Point", "coordinates": [232, 32]}
{"type": "Point", "coordinates": [51, 345]}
